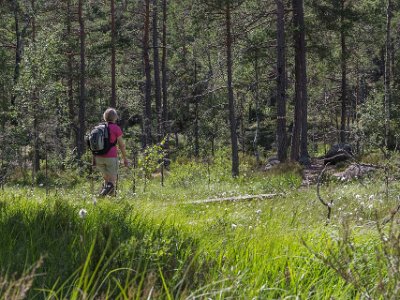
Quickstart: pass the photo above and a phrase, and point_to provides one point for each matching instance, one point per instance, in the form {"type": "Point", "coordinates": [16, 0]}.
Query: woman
{"type": "Point", "coordinates": [108, 163]}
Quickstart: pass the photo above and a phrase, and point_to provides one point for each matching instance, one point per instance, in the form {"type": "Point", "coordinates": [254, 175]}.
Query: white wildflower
{"type": "Point", "coordinates": [233, 226]}
{"type": "Point", "coordinates": [258, 211]}
{"type": "Point", "coordinates": [41, 184]}
{"type": "Point", "coordinates": [82, 213]}
{"type": "Point", "coordinates": [358, 196]}
{"type": "Point", "coordinates": [371, 197]}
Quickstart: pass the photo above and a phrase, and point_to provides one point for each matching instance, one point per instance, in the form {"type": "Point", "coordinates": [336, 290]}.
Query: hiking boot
{"type": "Point", "coordinates": [108, 189]}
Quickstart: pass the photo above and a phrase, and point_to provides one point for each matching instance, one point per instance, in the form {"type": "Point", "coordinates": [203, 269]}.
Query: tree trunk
{"type": "Point", "coordinates": [164, 118]}
{"type": "Point", "coordinates": [70, 70]}
{"type": "Point", "coordinates": [196, 114]}
{"type": "Point", "coordinates": [240, 121]}
{"type": "Point", "coordinates": [296, 131]}
{"type": "Point", "coordinates": [300, 126]}
{"type": "Point", "coordinates": [36, 152]}
{"type": "Point", "coordinates": [196, 130]}
{"type": "Point", "coordinates": [231, 100]}
{"type": "Point", "coordinates": [147, 73]}
{"type": "Point", "coordinates": [18, 48]}
{"type": "Point", "coordinates": [113, 102]}
{"type": "Point", "coordinates": [257, 98]}
{"type": "Point", "coordinates": [156, 62]}
{"type": "Point", "coordinates": [35, 102]}
{"type": "Point", "coordinates": [82, 87]}
{"type": "Point", "coordinates": [343, 64]}
{"type": "Point", "coordinates": [60, 135]}
{"type": "Point", "coordinates": [304, 156]}
{"type": "Point", "coordinates": [281, 83]}
{"type": "Point", "coordinates": [387, 75]}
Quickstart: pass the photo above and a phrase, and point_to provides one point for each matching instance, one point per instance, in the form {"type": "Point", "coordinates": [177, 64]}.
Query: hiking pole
{"type": "Point", "coordinates": [116, 182]}
{"type": "Point", "coordinates": [91, 175]}
{"type": "Point", "coordinates": [116, 186]}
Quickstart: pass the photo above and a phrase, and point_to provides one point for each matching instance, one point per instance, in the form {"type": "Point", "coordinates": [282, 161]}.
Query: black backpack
{"type": "Point", "coordinates": [98, 140]}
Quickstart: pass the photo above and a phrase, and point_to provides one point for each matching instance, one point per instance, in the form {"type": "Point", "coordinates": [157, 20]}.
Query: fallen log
{"type": "Point", "coordinates": [233, 199]}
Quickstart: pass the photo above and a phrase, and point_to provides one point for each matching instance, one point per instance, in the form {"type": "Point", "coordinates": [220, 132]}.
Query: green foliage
{"type": "Point", "coordinates": [372, 123]}
{"type": "Point", "coordinates": [151, 159]}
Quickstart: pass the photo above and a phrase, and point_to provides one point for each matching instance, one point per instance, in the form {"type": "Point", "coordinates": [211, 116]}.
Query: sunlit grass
{"type": "Point", "coordinates": [152, 242]}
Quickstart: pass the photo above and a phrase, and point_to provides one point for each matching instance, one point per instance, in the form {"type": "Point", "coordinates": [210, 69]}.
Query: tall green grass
{"type": "Point", "coordinates": [111, 251]}
{"type": "Point", "coordinates": [154, 244]}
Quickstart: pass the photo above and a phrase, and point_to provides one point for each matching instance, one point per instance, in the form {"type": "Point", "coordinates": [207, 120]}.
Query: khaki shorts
{"type": "Point", "coordinates": [107, 165]}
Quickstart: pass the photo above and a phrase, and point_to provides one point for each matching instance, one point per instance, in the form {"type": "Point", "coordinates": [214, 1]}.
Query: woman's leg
{"type": "Point", "coordinates": [110, 176]}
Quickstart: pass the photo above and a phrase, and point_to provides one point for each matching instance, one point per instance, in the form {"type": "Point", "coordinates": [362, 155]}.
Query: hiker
{"type": "Point", "coordinates": [108, 163]}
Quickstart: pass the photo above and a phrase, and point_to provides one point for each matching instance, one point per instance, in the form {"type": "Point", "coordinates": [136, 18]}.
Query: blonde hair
{"type": "Point", "coordinates": [110, 115]}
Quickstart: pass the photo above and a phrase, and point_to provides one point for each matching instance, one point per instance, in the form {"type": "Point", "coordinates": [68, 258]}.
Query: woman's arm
{"type": "Point", "coordinates": [121, 146]}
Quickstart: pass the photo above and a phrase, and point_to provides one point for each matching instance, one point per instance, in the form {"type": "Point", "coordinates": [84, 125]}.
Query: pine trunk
{"type": "Point", "coordinates": [300, 126]}
{"type": "Point", "coordinates": [18, 48]}
{"type": "Point", "coordinates": [296, 131]}
{"type": "Point", "coordinates": [35, 102]}
{"type": "Point", "coordinates": [281, 83]}
{"type": "Point", "coordinates": [387, 75]}
{"type": "Point", "coordinates": [231, 100]}
{"type": "Point", "coordinates": [70, 80]}
{"type": "Point", "coordinates": [304, 156]}
{"type": "Point", "coordinates": [82, 83]}
{"type": "Point", "coordinates": [257, 100]}
{"type": "Point", "coordinates": [156, 62]}
{"type": "Point", "coordinates": [343, 64]}
{"type": "Point", "coordinates": [196, 115]}
{"type": "Point", "coordinates": [147, 73]}
{"type": "Point", "coordinates": [165, 127]}
{"type": "Point", "coordinates": [113, 102]}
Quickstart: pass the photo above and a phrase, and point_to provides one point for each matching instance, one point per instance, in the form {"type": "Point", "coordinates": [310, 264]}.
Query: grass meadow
{"type": "Point", "coordinates": [153, 242]}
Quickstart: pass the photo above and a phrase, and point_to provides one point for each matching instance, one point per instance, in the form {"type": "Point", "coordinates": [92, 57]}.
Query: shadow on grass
{"type": "Point", "coordinates": [110, 252]}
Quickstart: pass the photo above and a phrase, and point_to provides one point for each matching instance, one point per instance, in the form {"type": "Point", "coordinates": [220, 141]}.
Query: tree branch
{"type": "Point", "coordinates": [327, 204]}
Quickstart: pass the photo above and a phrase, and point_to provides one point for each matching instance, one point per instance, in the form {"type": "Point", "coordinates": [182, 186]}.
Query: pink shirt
{"type": "Point", "coordinates": [115, 132]}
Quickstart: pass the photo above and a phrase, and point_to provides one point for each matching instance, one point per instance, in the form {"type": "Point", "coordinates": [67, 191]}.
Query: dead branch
{"type": "Point", "coordinates": [327, 204]}
{"type": "Point", "coordinates": [392, 214]}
